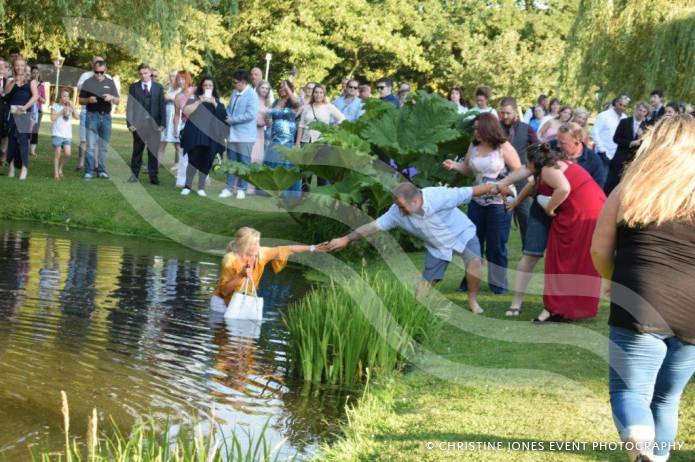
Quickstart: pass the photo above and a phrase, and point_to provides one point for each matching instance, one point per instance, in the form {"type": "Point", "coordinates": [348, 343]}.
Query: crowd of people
{"type": "Point", "coordinates": [612, 201]}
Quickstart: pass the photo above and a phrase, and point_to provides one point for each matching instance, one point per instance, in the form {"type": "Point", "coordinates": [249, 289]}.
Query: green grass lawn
{"type": "Point", "coordinates": [133, 209]}
{"type": "Point", "coordinates": [480, 378]}
{"type": "Point", "coordinates": [489, 379]}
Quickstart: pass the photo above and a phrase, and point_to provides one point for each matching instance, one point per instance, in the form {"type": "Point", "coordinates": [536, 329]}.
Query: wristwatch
{"type": "Point", "coordinates": [312, 248]}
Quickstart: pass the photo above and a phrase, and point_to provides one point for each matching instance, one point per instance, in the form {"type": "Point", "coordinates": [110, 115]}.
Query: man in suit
{"type": "Point", "coordinates": [145, 118]}
{"type": "Point", "coordinates": [657, 110]}
{"type": "Point", "coordinates": [241, 117]}
{"type": "Point", "coordinates": [628, 138]}
{"type": "Point", "coordinates": [521, 136]}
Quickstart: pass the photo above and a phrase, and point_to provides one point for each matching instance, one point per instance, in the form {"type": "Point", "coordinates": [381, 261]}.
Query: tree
{"type": "Point", "coordinates": [631, 46]}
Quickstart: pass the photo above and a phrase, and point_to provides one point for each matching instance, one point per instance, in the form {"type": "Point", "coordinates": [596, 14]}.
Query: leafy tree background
{"type": "Point", "coordinates": [568, 48]}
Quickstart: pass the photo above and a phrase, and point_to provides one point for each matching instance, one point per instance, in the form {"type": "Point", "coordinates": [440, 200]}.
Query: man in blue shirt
{"type": "Point", "coordinates": [385, 89]}
{"type": "Point", "coordinates": [432, 214]}
{"type": "Point", "coordinates": [241, 117]}
{"type": "Point", "coordinates": [349, 104]}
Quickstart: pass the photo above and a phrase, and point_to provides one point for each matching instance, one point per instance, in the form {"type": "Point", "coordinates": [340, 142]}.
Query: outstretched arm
{"type": "Point", "coordinates": [517, 175]}
{"type": "Point", "coordinates": [342, 242]}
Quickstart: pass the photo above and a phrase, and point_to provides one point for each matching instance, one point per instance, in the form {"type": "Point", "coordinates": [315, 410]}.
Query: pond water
{"type": "Point", "coordinates": [123, 325]}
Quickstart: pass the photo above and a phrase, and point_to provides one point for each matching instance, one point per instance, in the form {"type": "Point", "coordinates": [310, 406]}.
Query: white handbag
{"type": "Point", "coordinates": [245, 304]}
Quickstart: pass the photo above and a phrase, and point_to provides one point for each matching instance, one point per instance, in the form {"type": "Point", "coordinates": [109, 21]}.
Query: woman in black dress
{"type": "Point", "coordinates": [204, 134]}
{"type": "Point", "coordinates": [21, 94]}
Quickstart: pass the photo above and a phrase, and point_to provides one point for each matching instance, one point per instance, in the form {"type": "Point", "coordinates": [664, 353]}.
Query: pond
{"type": "Point", "coordinates": [123, 325]}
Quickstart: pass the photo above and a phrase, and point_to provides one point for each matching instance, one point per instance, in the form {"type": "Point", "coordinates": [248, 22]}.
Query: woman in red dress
{"type": "Point", "coordinates": [572, 285]}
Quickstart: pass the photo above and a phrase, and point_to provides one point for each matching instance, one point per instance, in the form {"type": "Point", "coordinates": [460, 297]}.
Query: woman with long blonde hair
{"type": "Point", "coordinates": [644, 244]}
{"type": "Point", "coordinates": [246, 259]}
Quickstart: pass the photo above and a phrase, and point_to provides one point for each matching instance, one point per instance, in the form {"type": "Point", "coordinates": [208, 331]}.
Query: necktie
{"type": "Point", "coordinates": [146, 90]}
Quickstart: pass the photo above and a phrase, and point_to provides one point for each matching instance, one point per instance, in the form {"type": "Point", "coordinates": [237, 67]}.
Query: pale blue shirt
{"type": "Point", "coordinates": [443, 226]}
{"type": "Point", "coordinates": [351, 109]}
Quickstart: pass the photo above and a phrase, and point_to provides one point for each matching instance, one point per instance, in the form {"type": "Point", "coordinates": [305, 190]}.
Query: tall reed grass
{"type": "Point", "coordinates": [338, 339]}
{"type": "Point", "coordinates": [150, 441]}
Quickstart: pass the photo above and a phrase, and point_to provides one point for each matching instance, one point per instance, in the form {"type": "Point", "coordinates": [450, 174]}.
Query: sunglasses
{"type": "Point", "coordinates": [352, 88]}
{"type": "Point", "coordinates": [380, 87]}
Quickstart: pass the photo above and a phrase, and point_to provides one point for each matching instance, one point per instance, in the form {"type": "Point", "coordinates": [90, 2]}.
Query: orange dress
{"type": "Point", "coordinates": [231, 266]}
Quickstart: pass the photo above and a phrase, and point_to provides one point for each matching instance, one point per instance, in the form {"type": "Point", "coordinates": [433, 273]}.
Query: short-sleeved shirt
{"type": "Point", "coordinates": [443, 227]}
{"type": "Point", "coordinates": [98, 88]}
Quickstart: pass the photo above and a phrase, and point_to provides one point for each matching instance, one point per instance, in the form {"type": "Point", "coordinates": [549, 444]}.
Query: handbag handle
{"type": "Point", "coordinates": [245, 286]}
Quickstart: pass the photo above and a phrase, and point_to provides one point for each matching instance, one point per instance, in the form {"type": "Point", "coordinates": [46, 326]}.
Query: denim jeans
{"type": "Point", "coordinates": [647, 375]}
{"type": "Point", "coordinates": [492, 223]}
{"type": "Point", "coordinates": [98, 133]}
{"type": "Point", "coordinates": [239, 152]}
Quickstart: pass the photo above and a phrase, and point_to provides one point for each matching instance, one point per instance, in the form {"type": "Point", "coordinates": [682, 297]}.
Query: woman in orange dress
{"type": "Point", "coordinates": [246, 259]}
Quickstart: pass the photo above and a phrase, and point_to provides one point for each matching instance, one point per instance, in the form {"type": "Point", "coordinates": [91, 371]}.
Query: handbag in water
{"type": "Point", "coordinates": [245, 304]}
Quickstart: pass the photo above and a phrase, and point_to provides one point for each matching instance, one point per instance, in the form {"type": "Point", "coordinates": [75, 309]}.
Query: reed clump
{"type": "Point", "coordinates": [342, 332]}
{"type": "Point", "coordinates": [153, 441]}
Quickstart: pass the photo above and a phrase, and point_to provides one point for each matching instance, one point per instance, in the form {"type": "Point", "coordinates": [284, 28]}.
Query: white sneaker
{"type": "Point", "coordinates": [240, 194]}
{"type": "Point", "coordinates": [225, 193]}
{"type": "Point", "coordinates": [201, 193]}
{"type": "Point", "coordinates": [185, 192]}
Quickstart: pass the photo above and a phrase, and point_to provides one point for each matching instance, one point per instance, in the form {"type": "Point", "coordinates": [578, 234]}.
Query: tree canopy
{"type": "Point", "coordinates": [566, 48]}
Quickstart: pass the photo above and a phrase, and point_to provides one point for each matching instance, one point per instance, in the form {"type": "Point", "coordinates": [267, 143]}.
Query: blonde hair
{"type": "Point", "coordinates": [243, 239]}
{"type": "Point", "coordinates": [659, 185]}
{"type": "Point", "coordinates": [267, 97]}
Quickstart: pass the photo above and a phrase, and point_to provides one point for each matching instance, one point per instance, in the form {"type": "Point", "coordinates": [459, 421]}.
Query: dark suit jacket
{"type": "Point", "coordinates": [652, 119]}
{"type": "Point", "coordinates": [624, 135]}
{"type": "Point", "coordinates": [137, 115]}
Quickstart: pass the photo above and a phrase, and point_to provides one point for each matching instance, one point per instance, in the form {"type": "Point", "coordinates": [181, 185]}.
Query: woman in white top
{"type": "Point", "coordinates": [61, 132]}
{"type": "Point", "coordinates": [488, 157]}
{"type": "Point", "coordinates": [318, 109]}
{"type": "Point", "coordinates": [455, 95]}
{"type": "Point", "coordinates": [169, 135]}
{"type": "Point", "coordinates": [482, 100]}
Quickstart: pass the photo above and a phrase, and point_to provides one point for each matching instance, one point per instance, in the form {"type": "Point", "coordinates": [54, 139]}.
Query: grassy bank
{"type": "Point", "coordinates": [158, 212]}
{"type": "Point", "coordinates": [507, 383]}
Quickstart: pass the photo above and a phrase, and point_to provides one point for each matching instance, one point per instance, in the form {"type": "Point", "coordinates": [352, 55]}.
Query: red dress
{"type": "Point", "coordinates": [572, 285]}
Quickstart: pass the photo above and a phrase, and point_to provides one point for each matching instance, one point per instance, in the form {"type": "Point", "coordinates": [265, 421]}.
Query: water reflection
{"type": "Point", "coordinates": [126, 328]}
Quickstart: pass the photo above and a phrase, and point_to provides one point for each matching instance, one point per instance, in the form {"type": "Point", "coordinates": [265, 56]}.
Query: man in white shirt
{"type": "Point", "coordinates": [432, 214]}
{"type": "Point", "coordinates": [604, 128]}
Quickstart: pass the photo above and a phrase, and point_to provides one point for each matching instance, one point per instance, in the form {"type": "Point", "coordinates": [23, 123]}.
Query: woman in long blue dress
{"type": "Point", "coordinates": [282, 116]}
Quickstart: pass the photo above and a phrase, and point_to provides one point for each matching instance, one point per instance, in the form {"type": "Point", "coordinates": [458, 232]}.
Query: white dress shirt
{"type": "Point", "coordinates": [604, 130]}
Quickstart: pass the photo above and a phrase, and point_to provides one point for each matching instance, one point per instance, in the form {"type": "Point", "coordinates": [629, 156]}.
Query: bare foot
{"type": "Point", "coordinates": [543, 315]}
{"type": "Point", "coordinates": [23, 173]}
{"type": "Point", "coordinates": [475, 307]}
{"type": "Point", "coordinates": [10, 172]}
